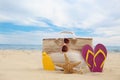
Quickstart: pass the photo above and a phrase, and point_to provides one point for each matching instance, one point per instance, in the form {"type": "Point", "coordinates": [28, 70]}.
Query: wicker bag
{"type": "Point", "coordinates": [55, 47]}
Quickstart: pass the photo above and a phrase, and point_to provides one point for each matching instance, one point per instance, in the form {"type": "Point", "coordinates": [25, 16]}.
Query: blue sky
{"type": "Point", "coordinates": [29, 21]}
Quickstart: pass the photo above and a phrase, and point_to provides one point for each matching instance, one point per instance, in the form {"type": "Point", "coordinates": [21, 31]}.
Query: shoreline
{"type": "Point", "coordinates": [27, 65]}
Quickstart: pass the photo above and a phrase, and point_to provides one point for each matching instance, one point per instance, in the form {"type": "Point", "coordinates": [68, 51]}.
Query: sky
{"type": "Point", "coordinates": [29, 21]}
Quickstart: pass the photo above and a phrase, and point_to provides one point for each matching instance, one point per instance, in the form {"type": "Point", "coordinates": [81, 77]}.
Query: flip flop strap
{"type": "Point", "coordinates": [98, 52]}
{"type": "Point", "coordinates": [87, 55]}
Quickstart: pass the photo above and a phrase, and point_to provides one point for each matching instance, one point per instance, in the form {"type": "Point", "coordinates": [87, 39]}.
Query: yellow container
{"type": "Point", "coordinates": [47, 62]}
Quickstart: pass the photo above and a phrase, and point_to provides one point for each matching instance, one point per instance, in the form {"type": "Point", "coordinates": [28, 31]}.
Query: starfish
{"type": "Point", "coordinates": [68, 66]}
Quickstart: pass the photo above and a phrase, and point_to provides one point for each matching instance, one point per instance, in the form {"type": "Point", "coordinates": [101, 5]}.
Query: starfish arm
{"type": "Point", "coordinates": [75, 71]}
{"type": "Point", "coordinates": [75, 64]}
{"type": "Point", "coordinates": [66, 58]}
{"type": "Point", "coordinates": [80, 72]}
{"type": "Point", "coordinates": [59, 65]}
{"type": "Point", "coordinates": [68, 66]}
{"type": "Point", "coordinates": [65, 71]}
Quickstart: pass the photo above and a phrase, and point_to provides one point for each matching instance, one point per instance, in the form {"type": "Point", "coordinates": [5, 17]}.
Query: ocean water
{"type": "Point", "coordinates": [113, 48]}
{"type": "Point", "coordinates": [39, 47]}
{"type": "Point", "coordinates": [20, 47]}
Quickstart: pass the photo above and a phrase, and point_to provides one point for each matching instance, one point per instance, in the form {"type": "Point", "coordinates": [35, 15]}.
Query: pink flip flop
{"type": "Point", "coordinates": [88, 55]}
{"type": "Point", "coordinates": [99, 57]}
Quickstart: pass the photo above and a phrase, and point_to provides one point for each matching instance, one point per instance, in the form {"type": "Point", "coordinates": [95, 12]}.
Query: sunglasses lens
{"type": "Point", "coordinates": [64, 48]}
{"type": "Point", "coordinates": [66, 40]}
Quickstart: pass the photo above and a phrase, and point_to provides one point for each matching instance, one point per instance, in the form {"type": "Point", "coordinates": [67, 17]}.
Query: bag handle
{"type": "Point", "coordinates": [68, 33]}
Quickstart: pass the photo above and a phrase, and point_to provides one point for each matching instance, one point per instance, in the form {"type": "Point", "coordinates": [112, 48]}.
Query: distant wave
{"type": "Point", "coordinates": [39, 47]}
{"type": "Point", "coordinates": [113, 48]}
{"type": "Point", "coordinates": [20, 47]}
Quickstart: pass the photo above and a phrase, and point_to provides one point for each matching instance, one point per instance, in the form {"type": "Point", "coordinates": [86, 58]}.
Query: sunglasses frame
{"type": "Point", "coordinates": [65, 45]}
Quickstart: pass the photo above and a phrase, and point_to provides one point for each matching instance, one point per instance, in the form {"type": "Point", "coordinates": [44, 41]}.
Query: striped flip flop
{"type": "Point", "coordinates": [88, 55]}
{"type": "Point", "coordinates": [99, 57]}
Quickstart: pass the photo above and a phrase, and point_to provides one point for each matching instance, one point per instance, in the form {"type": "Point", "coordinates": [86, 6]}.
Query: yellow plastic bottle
{"type": "Point", "coordinates": [47, 62]}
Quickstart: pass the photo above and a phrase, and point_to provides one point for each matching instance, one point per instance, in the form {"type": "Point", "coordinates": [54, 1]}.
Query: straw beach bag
{"type": "Point", "coordinates": [55, 47]}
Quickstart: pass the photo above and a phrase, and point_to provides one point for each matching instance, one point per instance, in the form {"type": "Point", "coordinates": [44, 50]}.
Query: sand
{"type": "Point", "coordinates": [26, 65]}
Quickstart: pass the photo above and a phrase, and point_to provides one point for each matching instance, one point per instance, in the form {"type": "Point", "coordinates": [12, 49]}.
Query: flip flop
{"type": "Point", "coordinates": [88, 55]}
{"type": "Point", "coordinates": [99, 57]}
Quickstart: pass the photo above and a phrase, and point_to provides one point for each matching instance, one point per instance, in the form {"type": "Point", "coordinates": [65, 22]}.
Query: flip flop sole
{"type": "Point", "coordinates": [88, 55]}
{"type": "Point", "coordinates": [99, 57]}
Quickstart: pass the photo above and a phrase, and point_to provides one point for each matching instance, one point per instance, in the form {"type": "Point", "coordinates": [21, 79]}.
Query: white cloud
{"type": "Point", "coordinates": [116, 22]}
{"type": "Point", "coordinates": [107, 35]}
{"type": "Point", "coordinates": [108, 41]}
{"type": "Point", "coordinates": [108, 31]}
{"type": "Point", "coordinates": [21, 38]}
{"type": "Point", "coordinates": [33, 37]}
{"type": "Point", "coordinates": [93, 20]}
{"type": "Point", "coordinates": [4, 18]}
{"type": "Point", "coordinates": [81, 14]}
{"type": "Point", "coordinates": [100, 16]}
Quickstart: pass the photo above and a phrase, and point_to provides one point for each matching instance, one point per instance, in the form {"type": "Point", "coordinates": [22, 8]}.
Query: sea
{"type": "Point", "coordinates": [20, 47]}
{"type": "Point", "coordinates": [113, 49]}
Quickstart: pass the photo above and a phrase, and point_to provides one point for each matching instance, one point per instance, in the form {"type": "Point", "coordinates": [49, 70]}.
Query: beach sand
{"type": "Point", "coordinates": [27, 65]}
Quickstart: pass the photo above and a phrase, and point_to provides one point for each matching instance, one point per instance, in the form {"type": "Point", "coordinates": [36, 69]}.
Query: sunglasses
{"type": "Point", "coordinates": [65, 47]}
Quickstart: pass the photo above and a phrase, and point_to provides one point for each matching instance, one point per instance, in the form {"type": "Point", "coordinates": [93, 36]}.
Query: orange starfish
{"type": "Point", "coordinates": [68, 66]}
